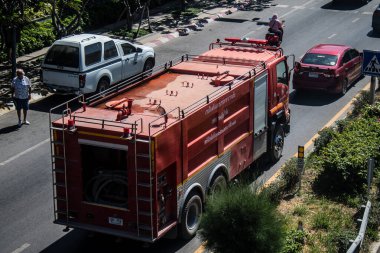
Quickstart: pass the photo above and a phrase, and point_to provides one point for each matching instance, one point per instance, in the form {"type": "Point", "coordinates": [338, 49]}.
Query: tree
{"type": "Point", "coordinates": [14, 14]}
{"type": "Point", "coordinates": [66, 16]}
{"type": "Point", "coordinates": [239, 220]}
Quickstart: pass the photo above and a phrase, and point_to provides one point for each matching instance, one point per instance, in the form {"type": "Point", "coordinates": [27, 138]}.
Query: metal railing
{"type": "Point", "coordinates": [357, 243]}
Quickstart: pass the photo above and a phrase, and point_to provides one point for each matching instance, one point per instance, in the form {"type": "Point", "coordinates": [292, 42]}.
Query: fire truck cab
{"type": "Point", "coordinates": [138, 159]}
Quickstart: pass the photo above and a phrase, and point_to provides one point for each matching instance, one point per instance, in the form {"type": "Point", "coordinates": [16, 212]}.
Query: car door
{"type": "Point", "coordinates": [111, 58]}
{"type": "Point", "coordinates": [357, 61]}
{"type": "Point", "coordinates": [131, 60]}
{"type": "Point", "coordinates": [348, 67]}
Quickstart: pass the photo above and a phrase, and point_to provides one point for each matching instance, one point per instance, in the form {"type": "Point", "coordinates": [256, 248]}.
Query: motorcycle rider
{"type": "Point", "coordinates": [275, 26]}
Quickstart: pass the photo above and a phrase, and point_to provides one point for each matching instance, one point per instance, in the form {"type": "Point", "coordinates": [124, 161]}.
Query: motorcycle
{"type": "Point", "coordinates": [273, 38]}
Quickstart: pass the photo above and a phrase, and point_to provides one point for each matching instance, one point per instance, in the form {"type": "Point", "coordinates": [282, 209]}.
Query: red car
{"type": "Point", "coordinates": [329, 67]}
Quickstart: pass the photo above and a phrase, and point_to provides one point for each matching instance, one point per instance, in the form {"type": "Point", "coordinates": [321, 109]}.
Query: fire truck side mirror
{"type": "Point", "coordinates": [293, 59]}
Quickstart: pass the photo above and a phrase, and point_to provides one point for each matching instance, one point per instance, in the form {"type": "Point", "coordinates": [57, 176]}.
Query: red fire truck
{"type": "Point", "coordinates": [139, 159]}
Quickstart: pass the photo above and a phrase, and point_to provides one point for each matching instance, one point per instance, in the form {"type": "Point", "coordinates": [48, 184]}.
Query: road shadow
{"type": "Point", "coordinates": [79, 241]}
{"type": "Point", "coordinates": [9, 129]}
{"type": "Point", "coordinates": [312, 98]}
{"type": "Point", "coordinates": [343, 5]}
{"type": "Point", "coordinates": [373, 34]}
{"type": "Point", "coordinates": [45, 104]}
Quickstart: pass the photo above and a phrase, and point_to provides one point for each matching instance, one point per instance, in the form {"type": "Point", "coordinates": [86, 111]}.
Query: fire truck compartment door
{"type": "Point", "coordinates": [260, 104]}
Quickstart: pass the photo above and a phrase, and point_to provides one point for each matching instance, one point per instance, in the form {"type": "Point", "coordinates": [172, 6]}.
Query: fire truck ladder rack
{"type": "Point", "coordinates": [136, 80]}
{"type": "Point", "coordinates": [248, 43]}
{"type": "Point", "coordinates": [260, 65]}
{"type": "Point", "coordinates": [57, 155]}
{"type": "Point", "coordinates": [141, 171]}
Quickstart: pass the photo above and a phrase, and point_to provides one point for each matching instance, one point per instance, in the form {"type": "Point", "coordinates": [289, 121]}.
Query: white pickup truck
{"type": "Point", "coordinates": [88, 63]}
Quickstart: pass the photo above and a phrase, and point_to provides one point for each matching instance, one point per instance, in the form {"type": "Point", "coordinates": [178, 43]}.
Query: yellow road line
{"type": "Point", "coordinates": [307, 145]}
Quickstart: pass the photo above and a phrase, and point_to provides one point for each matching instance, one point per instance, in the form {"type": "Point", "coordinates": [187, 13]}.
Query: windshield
{"type": "Point", "coordinates": [61, 55]}
{"type": "Point", "coordinates": [320, 59]}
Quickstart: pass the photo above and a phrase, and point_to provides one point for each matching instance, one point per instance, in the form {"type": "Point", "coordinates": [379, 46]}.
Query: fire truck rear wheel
{"type": "Point", "coordinates": [278, 143]}
{"type": "Point", "coordinates": [191, 216]}
{"type": "Point", "coordinates": [219, 183]}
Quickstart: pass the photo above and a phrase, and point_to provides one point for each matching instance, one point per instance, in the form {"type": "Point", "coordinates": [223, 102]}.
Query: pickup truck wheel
{"type": "Point", "coordinates": [103, 84]}
{"type": "Point", "coordinates": [278, 144]}
{"type": "Point", "coordinates": [191, 216]}
{"type": "Point", "coordinates": [149, 64]}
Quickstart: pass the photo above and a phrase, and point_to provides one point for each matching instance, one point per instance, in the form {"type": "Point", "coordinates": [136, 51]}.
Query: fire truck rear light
{"type": "Point", "coordinates": [82, 80]}
{"type": "Point", "coordinates": [70, 123]}
{"type": "Point", "coordinates": [127, 132]}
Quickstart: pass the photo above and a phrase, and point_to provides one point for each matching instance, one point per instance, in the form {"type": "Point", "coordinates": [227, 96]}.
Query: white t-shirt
{"type": "Point", "coordinates": [21, 87]}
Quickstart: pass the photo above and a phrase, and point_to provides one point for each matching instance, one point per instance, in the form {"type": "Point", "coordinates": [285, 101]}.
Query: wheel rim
{"type": "Point", "coordinates": [219, 186]}
{"type": "Point", "coordinates": [278, 144]}
{"type": "Point", "coordinates": [192, 216]}
{"type": "Point", "coordinates": [344, 88]}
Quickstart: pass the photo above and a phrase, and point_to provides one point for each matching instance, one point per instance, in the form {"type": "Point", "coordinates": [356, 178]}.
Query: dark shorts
{"type": "Point", "coordinates": [21, 103]}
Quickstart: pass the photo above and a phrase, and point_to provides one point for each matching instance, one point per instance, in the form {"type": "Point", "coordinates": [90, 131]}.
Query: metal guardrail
{"type": "Point", "coordinates": [357, 243]}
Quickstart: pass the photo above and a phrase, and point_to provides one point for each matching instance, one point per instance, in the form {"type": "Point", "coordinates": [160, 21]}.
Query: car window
{"type": "Point", "coordinates": [65, 56]}
{"type": "Point", "coordinates": [354, 53]}
{"type": "Point", "coordinates": [346, 57]}
{"type": "Point", "coordinates": [128, 48]}
{"type": "Point", "coordinates": [110, 50]}
{"type": "Point", "coordinates": [93, 53]}
{"type": "Point", "coordinates": [281, 73]}
{"type": "Point", "coordinates": [320, 59]}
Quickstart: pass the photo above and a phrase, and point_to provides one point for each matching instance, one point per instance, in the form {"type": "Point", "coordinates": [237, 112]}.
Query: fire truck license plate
{"type": "Point", "coordinates": [115, 221]}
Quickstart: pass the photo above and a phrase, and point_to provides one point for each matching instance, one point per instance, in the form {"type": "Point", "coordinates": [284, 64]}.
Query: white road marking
{"type": "Point", "coordinates": [248, 34]}
{"type": "Point", "coordinates": [282, 6]}
{"type": "Point", "coordinates": [294, 9]}
{"type": "Point", "coordinates": [332, 35]}
{"type": "Point", "coordinates": [367, 13]}
{"type": "Point", "coordinates": [23, 152]}
{"type": "Point", "coordinates": [356, 19]}
{"type": "Point", "coordinates": [354, 12]}
{"type": "Point", "coordinates": [333, 10]}
{"type": "Point", "coordinates": [22, 248]}
{"type": "Point", "coordinates": [261, 27]}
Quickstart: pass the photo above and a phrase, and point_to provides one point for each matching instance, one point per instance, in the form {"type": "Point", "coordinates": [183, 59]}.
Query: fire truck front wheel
{"type": "Point", "coordinates": [277, 143]}
{"type": "Point", "coordinates": [191, 216]}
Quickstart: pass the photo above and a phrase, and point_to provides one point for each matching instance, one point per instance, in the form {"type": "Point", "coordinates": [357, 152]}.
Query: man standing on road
{"type": "Point", "coordinates": [21, 91]}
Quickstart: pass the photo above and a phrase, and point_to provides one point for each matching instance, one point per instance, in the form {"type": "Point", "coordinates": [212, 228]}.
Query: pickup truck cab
{"type": "Point", "coordinates": [88, 63]}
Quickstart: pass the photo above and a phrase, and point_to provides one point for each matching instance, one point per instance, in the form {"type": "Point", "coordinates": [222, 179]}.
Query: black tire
{"type": "Point", "coordinates": [277, 144]}
{"type": "Point", "coordinates": [344, 87]}
{"type": "Point", "coordinates": [191, 216]}
{"type": "Point", "coordinates": [103, 84]}
{"type": "Point", "coordinates": [218, 184]}
{"type": "Point", "coordinates": [148, 65]}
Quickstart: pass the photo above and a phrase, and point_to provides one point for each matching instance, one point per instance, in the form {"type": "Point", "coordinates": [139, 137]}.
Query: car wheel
{"type": "Point", "coordinates": [191, 216]}
{"type": "Point", "coordinates": [103, 84]}
{"type": "Point", "coordinates": [149, 64]}
{"type": "Point", "coordinates": [278, 144]}
{"type": "Point", "coordinates": [344, 87]}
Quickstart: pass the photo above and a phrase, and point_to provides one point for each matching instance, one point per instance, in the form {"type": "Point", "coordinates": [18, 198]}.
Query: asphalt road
{"type": "Point", "coordinates": [26, 213]}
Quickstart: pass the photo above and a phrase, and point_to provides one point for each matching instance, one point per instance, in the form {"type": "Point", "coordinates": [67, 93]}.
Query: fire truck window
{"type": "Point", "coordinates": [104, 173]}
{"type": "Point", "coordinates": [282, 73]}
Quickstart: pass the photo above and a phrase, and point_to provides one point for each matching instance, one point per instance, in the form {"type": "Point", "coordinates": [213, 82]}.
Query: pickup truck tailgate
{"type": "Point", "coordinates": [61, 78]}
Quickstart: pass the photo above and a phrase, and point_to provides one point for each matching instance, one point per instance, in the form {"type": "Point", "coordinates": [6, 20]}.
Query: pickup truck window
{"type": "Point", "coordinates": [128, 48]}
{"type": "Point", "coordinates": [93, 53]}
{"type": "Point", "coordinates": [65, 56]}
{"type": "Point", "coordinates": [110, 50]}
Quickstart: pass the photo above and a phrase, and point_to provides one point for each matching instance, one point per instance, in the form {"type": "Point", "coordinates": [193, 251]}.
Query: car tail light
{"type": "Point", "coordinates": [329, 73]}
{"type": "Point", "coordinates": [82, 80]}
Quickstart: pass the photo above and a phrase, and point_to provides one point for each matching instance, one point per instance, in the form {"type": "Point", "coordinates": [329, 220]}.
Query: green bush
{"type": "Point", "coordinates": [359, 103]}
{"type": "Point", "coordinates": [238, 220]}
{"type": "Point", "coordinates": [325, 136]}
{"type": "Point", "coordinates": [300, 210]}
{"type": "Point", "coordinates": [294, 241]}
{"type": "Point", "coordinates": [291, 175]}
{"type": "Point", "coordinates": [372, 111]}
{"type": "Point", "coordinates": [275, 191]}
{"type": "Point", "coordinates": [340, 240]}
{"type": "Point", "coordinates": [345, 157]}
{"type": "Point", "coordinates": [321, 220]}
